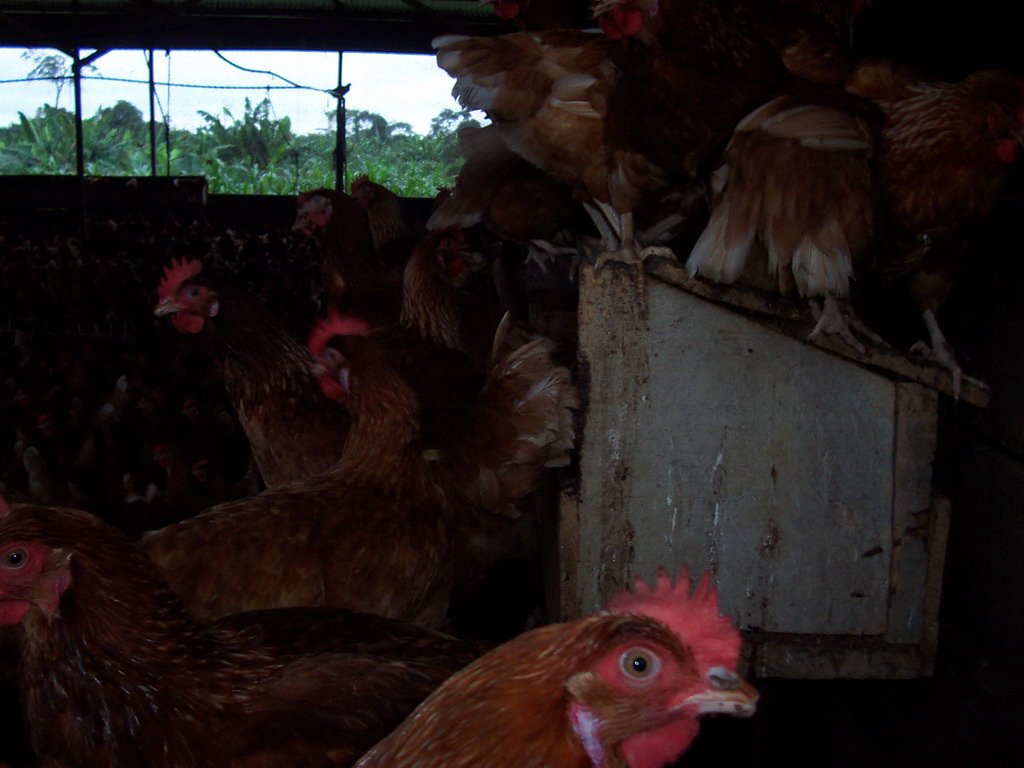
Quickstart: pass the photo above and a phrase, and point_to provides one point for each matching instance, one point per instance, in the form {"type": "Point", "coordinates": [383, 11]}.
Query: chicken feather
{"type": "Point", "coordinates": [623, 687]}
{"type": "Point", "coordinates": [793, 211]}
{"type": "Point", "coordinates": [113, 672]}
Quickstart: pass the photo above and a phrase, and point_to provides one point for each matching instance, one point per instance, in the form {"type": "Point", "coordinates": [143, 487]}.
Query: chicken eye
{"type": "Point", "coordinates": [192, 292]}
{"type": "Point", "coordinates": [334, 357]}
{"type": "Point", "coordinates": [640, 664]}
{"type": "Point", "coordinates": [15, 559]}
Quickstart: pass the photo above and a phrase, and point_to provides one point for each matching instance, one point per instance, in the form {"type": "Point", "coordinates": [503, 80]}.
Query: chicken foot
{"type": "Point", "coordinates": [608, 223]}
{"type": "Point", "coordinates": [622, 245]}
{"type": "Point", "coordinates": [940, 351]}
{"type": "Point", "coordinates": [837, 318]}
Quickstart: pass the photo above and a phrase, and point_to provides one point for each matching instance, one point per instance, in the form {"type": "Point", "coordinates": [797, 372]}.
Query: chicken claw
{"type": "Point", "coordinates": [940, 351]}
{"type": "Point", "coordinates": [836, 320]}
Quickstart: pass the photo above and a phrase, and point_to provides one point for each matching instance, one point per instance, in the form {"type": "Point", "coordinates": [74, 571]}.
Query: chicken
{"type": "Point", "coordinates": [622, 118]}
{"type": "Point", "coordinates": [273, 381]}
{"type": "Point", "coordinates": [447, 347]}
{"type": "Point", "coordinates": [793, 207]}
{"type": "Point", "coordinates": [504, 194]}
{"type": "Point", "coordinates": [811, 37]}
{"type": "Point", "coordinates": [687, 73]}
{"type": "Point", "coordinates": [942, 160]}
{"type": "Point", "coordinates": [393, 235]}
{"type": "Point", "coordinates": [355, 280]}
{"type": "Point", "coordinates": [545, 93]}
{"type": "Point", "coordinates": [113, 672]}
{"type": "Point", "coordinates": [427, 349]}
{"type": "Point", "coordinates": [437, 313]}
{"type": "Point", "coordinates": [365, 534]}
{"type": "Point", "coordinates": [381, 529]}
{"type": "Point", "coordinates": [624, 687]}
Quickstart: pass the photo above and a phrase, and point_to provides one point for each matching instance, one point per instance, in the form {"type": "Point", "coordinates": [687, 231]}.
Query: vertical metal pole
{"type": "Point", "coordinates": [340, 150]}
{"type": "Point", "coordinates": [76, 72]}
{"type": "Point", "coordinates": [152, 114]}
{"type": "Point", "coordinates": [167, 121]}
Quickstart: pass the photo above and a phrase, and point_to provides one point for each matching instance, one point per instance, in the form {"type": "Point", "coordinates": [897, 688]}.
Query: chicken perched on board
{"type": "Point", "coordinates": [545, 92]}
{"type": "Point", "coordinates": [381, 530]}
{"type": "Point", "coordinates": [793, 206]}
{"type": "Point", "coordinates": [113, 672]}
{"type": "Point", "coordinates": [687, 72]}
{"type": "Point", "coordinates": [619, 118]}
{"type": "Point", "coordinates": [942, 160]}
{"type": "Point", "coordinates": [624, 687]}
{"type": "Point", "coordinates": [273, 380]}
{"type": "Point", "coordinates": [355, 280]}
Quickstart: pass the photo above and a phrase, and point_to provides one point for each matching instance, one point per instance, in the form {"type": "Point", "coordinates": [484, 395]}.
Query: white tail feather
{"type": "Point", "coordinates": [711, 258]}
{"type": "Point", "coordinates": [817, 273]}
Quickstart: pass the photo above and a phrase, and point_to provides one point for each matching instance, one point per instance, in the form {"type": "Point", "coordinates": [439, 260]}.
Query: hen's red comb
{"type": "Point", "coordinates": [693, 618]}
{"type": "Point", "coordinates": [174, 275]}
{"type": "Point", "coordinates": [358, 181]}
{"type": "Point", "coordinates": [334, 325]}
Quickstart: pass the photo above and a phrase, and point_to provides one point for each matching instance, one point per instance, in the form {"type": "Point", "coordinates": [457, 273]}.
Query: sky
{"type": "Point", "coordinates": [401, 88]}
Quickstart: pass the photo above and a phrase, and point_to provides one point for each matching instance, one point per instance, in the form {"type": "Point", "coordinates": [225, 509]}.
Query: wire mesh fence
{"type": "Point", "coordinates": [259, 122]}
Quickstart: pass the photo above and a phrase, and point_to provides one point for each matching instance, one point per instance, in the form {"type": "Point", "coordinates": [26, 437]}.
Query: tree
{"type": "Point", "coordinates": [449, 122]}
{"type": "Point", "coordinates": [255, 153]}
{"type": "Point", "coordinates": [44, 143]}
{"type": "Point", "coordinates": [53, 67]}
{"type": "Point", "coordinates": [369, 125]}
{"type": "Point", "coordinates": [123, 116]}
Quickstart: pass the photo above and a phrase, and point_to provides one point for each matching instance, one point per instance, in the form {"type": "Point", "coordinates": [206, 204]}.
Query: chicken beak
{"type": "Point", "coordinates": [166, 306]}
{"type": "Point", "coordinates": [727, 693]}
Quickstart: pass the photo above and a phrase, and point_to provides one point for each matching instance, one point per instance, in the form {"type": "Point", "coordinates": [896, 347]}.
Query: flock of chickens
{"type": "Point", "coordinates": [398, 445]}
{"type": "Point", "coordinates": [303, 625]}
{"type": "Point", "coordinates": [807, 171]}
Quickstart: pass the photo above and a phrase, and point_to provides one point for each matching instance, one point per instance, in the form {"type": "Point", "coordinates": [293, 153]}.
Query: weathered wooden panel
{"type": "Point", "coordinates": [916, 435]}
{"type": "Point", "coordinates": [713, 440]}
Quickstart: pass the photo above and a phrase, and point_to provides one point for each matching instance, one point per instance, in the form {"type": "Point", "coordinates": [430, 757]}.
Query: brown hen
{"type": "Point", "coordinates": [811, 37]}
{"type": "Point", "coordinates": [355, 280]}
{"type": "Point", "coordinates": [620, 688]}
{"type": "Point", "coordinates": [545, 92]}
{"type": "Point", "coordinates": [273, 381]}
{"type": "Point", "coordinates": [393, 235]}
{"type": "Point", "coordinates": [793, 209]}
{"type": "Point", "coordinates": [687, 72]}
{"type": "Point", "coordinates": [381, 529]}
{"type": "Point", "coordinates": [114, 673]}
{"type": "Point", "coordinates": [942, 160]}
{"type": "Point", "coordinates": [503, 193]}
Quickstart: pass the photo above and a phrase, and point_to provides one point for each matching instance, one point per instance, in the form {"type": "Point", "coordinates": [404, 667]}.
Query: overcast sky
{"type": "Point", "coordinates": [402, 88]}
